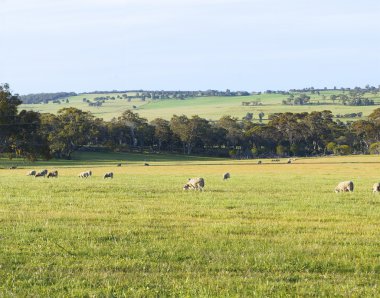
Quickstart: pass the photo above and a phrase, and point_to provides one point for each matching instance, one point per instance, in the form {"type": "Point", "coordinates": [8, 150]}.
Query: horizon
{"type": "Point", "coordinates": [179, 90]}
{"type": "Point", "coordinates": [192, 45]}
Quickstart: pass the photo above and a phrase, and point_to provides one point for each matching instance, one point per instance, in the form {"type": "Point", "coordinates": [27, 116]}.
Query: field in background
{"type": "Point", "coordinates": [273, 229]}
{"type": "Point", "coordinates": [207, 107]}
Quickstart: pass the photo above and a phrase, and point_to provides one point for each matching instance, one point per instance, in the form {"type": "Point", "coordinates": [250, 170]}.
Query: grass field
{"type": "Point", "coordinates": [273, 230]}
{"type": "Point", "coordinates": [206, 107]}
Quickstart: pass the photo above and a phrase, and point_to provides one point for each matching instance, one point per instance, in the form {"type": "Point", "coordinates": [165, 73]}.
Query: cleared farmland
{"type": "Point", "coordinates": [206, 107]}
{"type": "Point", "coordinates": [273, 229]}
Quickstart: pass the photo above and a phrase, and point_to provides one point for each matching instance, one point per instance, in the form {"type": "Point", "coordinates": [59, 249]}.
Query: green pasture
{"type": "Point", "coordinates": [100, 159]}
{"type": "Point", "coordinates": [109, 109]}
{"type": "Point", "coordinates": [207, 107]}
{"type": "Point", "coordinates": [272, 230]}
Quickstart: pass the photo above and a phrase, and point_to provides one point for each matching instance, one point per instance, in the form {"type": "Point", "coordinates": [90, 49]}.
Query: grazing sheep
{"type": "Point", "coordinates": [226, 176]}
{"type": "Point", "coordinates": [119, 164]}
{"type": "Point", "coordinates": [43, 173]}
{"type": "Point", "coordinates": [195, 184]}
{"type": "Point", "coordinates": [31, 173]}
{"type": "Point", "coordinates": [289, 160]}
{"type": "Point", "coordinates": [53, 174]}
{"type": "Point", "coordinates": [146, 164]}
{"type": "Point", "coordinates": [345, 186]}
{"type": "Point", "coordinates": [376, 187]}
{"type": "Point", "coordinates": [259, 162]}
{"type": "Point", "coordinates": [108, 175]}
{"type": "Point", "coordinates": [13, 167]}
{"type": "Point", "coordinates": [85, 174]}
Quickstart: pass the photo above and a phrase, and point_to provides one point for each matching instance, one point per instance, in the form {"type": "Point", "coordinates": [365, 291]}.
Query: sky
{"type": "Point", "coordinates": [252, 45]}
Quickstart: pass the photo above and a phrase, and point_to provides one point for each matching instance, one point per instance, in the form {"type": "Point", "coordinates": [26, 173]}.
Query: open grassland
{"type": "Point", "coordinates": [272, 230]}
{"type": "Point", "coordinates": [109, 110]}
{"type": "Point", "coordinates": [207, 107]}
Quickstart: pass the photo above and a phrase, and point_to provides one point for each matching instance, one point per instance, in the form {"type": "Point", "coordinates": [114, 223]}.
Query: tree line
{"type": "Point", "coordinates": [34, 135]}
{"type": "Point", "coordinates": [353, 98]}
{"type": "Point", "coordinates": [44, 97]}
{"type": "Point", "coordinates": [140, 94]}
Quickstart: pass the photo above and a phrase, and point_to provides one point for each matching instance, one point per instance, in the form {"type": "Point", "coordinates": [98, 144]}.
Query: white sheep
{"type": "Point", "coordinates": [85, 174]}
{"type": "Point", "coordinates": [31, 173]}
{"type": "Point", "coordinates": [376, 187]}
{"type": "Point", "coordinates": [195, 184]}
{"type": "Point", "coordinates": [345, 186]}
{"type": "Point", "coordinates": [43, 173]}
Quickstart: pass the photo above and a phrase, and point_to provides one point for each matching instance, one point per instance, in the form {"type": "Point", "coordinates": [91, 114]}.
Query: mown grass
{"type": "Point", "coordinates": [207, 107]}
{"type": "Point", "coordinates": [271, 230]}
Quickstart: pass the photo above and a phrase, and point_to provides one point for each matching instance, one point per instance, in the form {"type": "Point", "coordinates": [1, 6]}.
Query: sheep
{"type": "Point", "coordinates": [146, 164]}
{"type": "Point", "coordinates": [31, 173]}
{"type": "Point", "coordinates": [226, 176]}
{"type": "Point", "coordinates": [195, 184]}
{"type": "Point", "coordinates": [53, 174]}
{"type": "Point", "coordinates": [376, 187]}
{"type": "Point", "coordinates": [108, 175]}
{"type": "Point", "coordinates": [85, 174]}
{"type": "Point", "coordinates": [259, 162]}
{"type": "Point", "coordinates": [119, 164]}
{"type": "Point", "coordinates": [289, 160]}
{"type": "Point", "coordinates": [43, 173]}
{"type": "Point", "coordinates": [345, 186]}
{"type": "Point", "coordinates": [13, 167]}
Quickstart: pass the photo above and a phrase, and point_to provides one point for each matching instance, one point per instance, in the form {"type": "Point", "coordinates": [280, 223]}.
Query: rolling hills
{"type": "Point", "coordinates": [207, 107]}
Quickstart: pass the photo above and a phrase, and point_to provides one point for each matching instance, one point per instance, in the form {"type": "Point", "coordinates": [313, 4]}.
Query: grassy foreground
{"type": "Point", "coordinates": [271, 230]}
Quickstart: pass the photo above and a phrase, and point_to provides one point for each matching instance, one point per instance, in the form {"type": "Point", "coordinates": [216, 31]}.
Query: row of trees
{"type": "Point", "coordinates": [366, 88]}
{"type": "Point", "coordinates": [140, 94]}
{"type": "Point", "coordinates": [45, 97]}
{"type": "Point", "coordinates": [32, 135]}
{"type": "Point", "coordinates": [354, 98]}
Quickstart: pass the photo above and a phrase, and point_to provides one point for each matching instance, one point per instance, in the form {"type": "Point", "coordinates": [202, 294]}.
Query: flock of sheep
{"type": "Point", "coordinates": [345, 186]}
{"type": "Point", "coordinates": [197, 183]}
{"type": "Point", "coordinates": [43, 173]}
{"type": "Point", "coordinates": [46, 173]}
{"type": "Point", "coordinates": [348, 186]}
{"type": "Point", "coordinates": [192, 183]}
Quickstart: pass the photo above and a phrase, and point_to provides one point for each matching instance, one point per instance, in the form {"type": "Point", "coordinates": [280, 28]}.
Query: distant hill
{"type": "Point", "coordinates": [345, 103]}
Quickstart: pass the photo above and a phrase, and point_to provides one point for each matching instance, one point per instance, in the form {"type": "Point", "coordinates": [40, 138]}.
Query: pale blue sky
{"type": "Point", "coordinates": [86, 45]}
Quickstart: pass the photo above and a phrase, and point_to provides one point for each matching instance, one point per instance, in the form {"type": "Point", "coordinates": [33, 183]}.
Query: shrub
{"type": "Point", "coordinates": [254, 151]}
{"type": "Point", "coordinates": [330, 147]}
{"type": "Point", "coordinates": [294, 149]}
{"type": "Point", "coordinates": [232, 153]}
{"type": "Point", "coordinates": [342, 150]}
{"type": "Point", "coordinates": [374, 148]}
{"type": "Point", "coordinates": [281, 150]}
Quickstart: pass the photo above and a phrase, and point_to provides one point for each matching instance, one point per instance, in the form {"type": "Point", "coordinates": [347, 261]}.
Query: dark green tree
{"type": "Point", "coordinates": [234, 132]}
{"type": "Point", "coordinates": [162, 132]}
{"type": "Point", "coordinates": [69, 130]}
{"type": "Point", "coordinates": [8, 117]}
{"type": "Point", "coordinates": [190, 130]}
